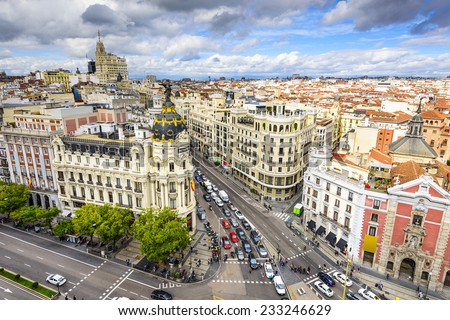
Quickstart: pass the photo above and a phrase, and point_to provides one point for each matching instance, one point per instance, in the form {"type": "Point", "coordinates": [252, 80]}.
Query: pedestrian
{"type": "Point", "coordinates": [359, 268]}
{"type": "Point", "coordinates": [192, 248]}
{"type": "Point", "coordinates": [66, 297]}
{"type": "Point", "coordinates": [418, 289]}
{"type": "Point", "coordinates": [74, 298]}
{"type": "Point", "coordinates": [351, 274]}
{"type": "Point", "coordinates": [387, 276]}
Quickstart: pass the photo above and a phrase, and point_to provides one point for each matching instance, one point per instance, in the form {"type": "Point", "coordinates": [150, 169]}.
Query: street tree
{"type": "Point", "coordinates": [115, 223]}
{"type": "Point", "coordinates": [28, 214]}
{"type": "Point", "coordinates": [64, 227]}
{"type": "Point", "coordinates": [12, 197]}
{"type": "Point", "coordinates": [86, 220]}
{"type": "Point", "coordinates": [47, 216]}
{"type": "Point", "coordinates": [161, 232]}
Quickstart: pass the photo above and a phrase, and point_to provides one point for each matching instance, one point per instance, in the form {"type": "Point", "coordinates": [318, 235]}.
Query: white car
{"type": "Point", "coordinates": [56, 279]}
{"type": "Point", "coordinates": [218, 201]}
{"type": "Point", "coordinates": [239, 215]}
{"type": "Point", "coordinates": [214, 187]}
{"type": "Point", "coordinates": [322, 287]}
{"type": "Point", "coordinates": [268, 269]}
{"type": "Point", "coordinates": [369, 295]}
{"type": "Point", "coordinates": [213, 195]}
{"type": "Point", "coordinates": [340, 277]}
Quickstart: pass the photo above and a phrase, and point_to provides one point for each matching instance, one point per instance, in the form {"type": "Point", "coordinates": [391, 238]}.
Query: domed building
{"type": "Point", "coordinates": [171, 169]}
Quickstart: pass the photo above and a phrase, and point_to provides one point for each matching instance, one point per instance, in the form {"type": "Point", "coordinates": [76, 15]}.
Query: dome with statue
{"type": "Point", "coordinates": [168, 124]}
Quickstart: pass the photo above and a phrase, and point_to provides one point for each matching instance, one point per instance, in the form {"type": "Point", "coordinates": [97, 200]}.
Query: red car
{"type": "Point", "coordinates": [234, 238]}
{"type": "Point", "coordinates": [226, 242]}
{"type": "Point", "coordinates": [226, 224]}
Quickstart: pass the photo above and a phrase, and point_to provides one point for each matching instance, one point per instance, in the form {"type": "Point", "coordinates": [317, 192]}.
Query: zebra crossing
{"type": "Point", "coordinates": [314, 277]}
{"type": "Point", "coordinates": [242, 281]}
{"type": "Point", "coordinates": [282, 215]}
{"type": "Point", "coordinates": [299, 255]}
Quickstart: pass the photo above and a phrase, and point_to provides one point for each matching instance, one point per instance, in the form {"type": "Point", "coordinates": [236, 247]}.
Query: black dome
{"type": "Point", "coordinates": [168, 124]}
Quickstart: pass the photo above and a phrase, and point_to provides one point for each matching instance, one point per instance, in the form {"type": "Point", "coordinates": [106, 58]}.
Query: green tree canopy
{"type": "Point", "coordinates": [86, 220]}
{"type": "Point", "coordinates": [28, 214]}
{"type": "Point", "coordinates": [115, 222]}
{"type": "Point", "coordinates": [64, 227]}
{"type": "Point", "coordinates": [161, 232]}
{"type": "Point", "coordinates": [47, 216]}
{"type": "Point", "coordinates": [12, 197]}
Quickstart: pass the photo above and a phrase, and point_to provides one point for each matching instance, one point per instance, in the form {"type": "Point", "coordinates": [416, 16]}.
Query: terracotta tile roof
{"type": "Point", "coordinates": [442, 103]}
{"type": "Point", "coordinates": [380, 157]}
{"type": "Point", "coordinates": [433, 114]}
{"type": "Point", "coordinates": [406, 171]}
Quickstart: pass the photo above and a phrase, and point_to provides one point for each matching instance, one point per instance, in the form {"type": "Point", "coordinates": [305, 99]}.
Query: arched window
{"type": "Point", "coordinates": [264, 126]}
{"type": "Point", "coordinates": [275, 128]}
{"type": "Point", "coordinates": [295, 126]}
{"type": "Point", "coordinates": [281, 128]}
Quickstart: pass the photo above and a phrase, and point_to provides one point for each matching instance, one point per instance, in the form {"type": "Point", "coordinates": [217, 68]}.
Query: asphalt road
{"type": "Point", "coordinates": [274, 232]}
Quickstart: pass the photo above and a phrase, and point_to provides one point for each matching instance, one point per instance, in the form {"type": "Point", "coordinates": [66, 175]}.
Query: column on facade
{"type": "Point", "coordinates": [180, 195]}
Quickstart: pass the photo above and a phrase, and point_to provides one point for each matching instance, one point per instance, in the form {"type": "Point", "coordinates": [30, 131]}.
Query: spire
{"type": "Point", "coordinates": [99, 35]}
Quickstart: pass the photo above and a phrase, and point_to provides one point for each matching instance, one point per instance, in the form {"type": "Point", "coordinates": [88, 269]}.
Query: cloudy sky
{"type": "Point", "coordinates": [231, 38]}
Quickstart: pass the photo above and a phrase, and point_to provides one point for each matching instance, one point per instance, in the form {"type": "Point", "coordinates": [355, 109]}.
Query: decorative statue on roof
{"type": "Point", "coordinates": [168, 91]}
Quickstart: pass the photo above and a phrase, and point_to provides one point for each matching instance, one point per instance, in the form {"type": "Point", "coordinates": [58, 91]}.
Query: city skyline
{"type": "Point", "coordinates": [201, 39]}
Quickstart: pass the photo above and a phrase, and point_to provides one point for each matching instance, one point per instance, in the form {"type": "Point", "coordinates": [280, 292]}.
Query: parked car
{"type": "Point", "coordinates": [239, 253]}
{"type": "Point", "coordinates": [213, 195]}
{"type": "Point", "coordinates": [262, 251]}
{"type": "Point", "coordinates": [340, 277]}
{"type": "Point", "coordinates": [254, 235]}
{"type": "Point", "coordinates": [161, 295]}
{"type": "Point", "coordinates": [246, 246]}
{"type": "Point", "coordinates": [252, 261]}
{"type": "Point", "coordinates": [246, 225]}
{"type": "Point", "coordinates": [233, 222]}
{"type": "Point", "coordinates": [268, 269]}
{"type": "Point", "coordinates": [56, 279]}
{"type": "Point", "coordinates": [226, 212]}
{"type": "Point", "coordinates": [233, 237]}
{"type": "Point", "coordinates": [214, 187]}
{"type": "Point", "coordinates": [239, 215]}
{"type": "Point", "coordinates": [226, 242]}
{"type": "Point", "coordinates": [232, 207]}
{"type": "Point", "coordinates": [241, 234]}
{"type": "Point", "coordinates": [226, 224]}
{"type": "Point", "coordinates": [207, 197]}
{"type": "Point", "coordinates": [326, 278]}
{"type": "Point", "coordinates": [322, 287]}
{"type": "Point", "coordinates": [368, 295]}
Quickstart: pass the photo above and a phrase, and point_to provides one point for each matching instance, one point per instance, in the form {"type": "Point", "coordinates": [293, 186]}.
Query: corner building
{"type": "Point", "coordinates": [132, 173]}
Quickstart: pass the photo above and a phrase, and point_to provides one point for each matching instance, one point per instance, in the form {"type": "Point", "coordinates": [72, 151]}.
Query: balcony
{"type": "Point", "coordinates": [72, 179]}
{"type": "Point", "coordinates": [138, 190]}
{"type": "Point", "coordinates": [60, 178]}
{"type": "Point", "coordinates": [128, 188]}
{"type": "Point", "coordinates": [118, 186]}
{"type": "Point", "coordinates": [90, 182]}
{"type": "Point", "coordinates": [80, 181]}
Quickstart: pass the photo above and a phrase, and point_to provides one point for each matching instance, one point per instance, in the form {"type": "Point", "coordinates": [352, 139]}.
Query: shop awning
{"type": "Point", "coordinates": [311, 225]}
{"type": "Point", "coordinates": [370, 243]}
{"type": "Point", "coordinates": [331, 238]}
{"type": "Point", "coordinates": [320, 231]}
{"type": "Point", "coordinates": [341, 243]}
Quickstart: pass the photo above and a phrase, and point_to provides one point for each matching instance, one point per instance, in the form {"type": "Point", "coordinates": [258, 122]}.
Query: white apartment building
{"type": "Point", "coordinates": [334, 202]}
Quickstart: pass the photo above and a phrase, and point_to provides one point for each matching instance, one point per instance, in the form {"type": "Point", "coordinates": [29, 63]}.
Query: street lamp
{"type": "Point", "coordinates": [218, 233]}
{"type": "Point", "coordinates": [428, 284]}
{"type": "Point", "coordinates": [349, 263]}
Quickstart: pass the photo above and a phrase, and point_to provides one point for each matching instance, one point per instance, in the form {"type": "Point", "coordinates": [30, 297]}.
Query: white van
{"type": "Point", "coordinates": [223, 196]}
{"type": "Point", "coordinates": [279, 285]}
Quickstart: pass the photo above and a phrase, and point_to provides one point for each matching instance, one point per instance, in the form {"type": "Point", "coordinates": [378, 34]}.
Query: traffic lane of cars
{"type": "Point", "coordinates": [38, 263]}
